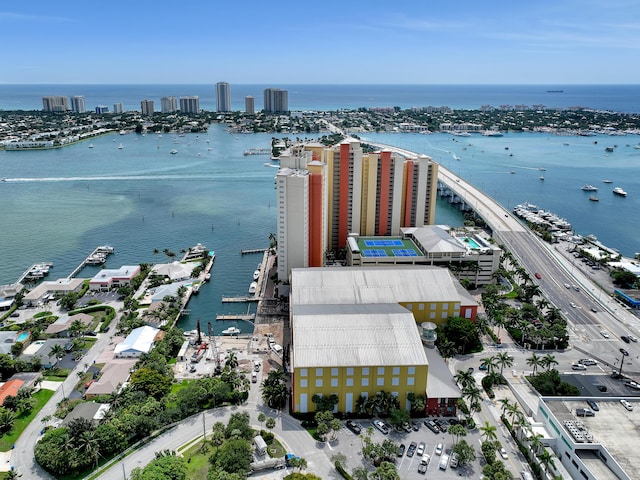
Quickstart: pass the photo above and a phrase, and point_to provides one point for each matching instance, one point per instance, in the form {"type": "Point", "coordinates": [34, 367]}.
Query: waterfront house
{"type": "Point", "coordinates": [108, 279]}
{"type": "Point", "coordinates": [140, 340]}
{"type": "Point", "coordinates": [60, 328]}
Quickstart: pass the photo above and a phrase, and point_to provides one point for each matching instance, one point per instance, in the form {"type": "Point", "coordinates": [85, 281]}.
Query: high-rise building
{"type": "Point", "coordinates": [100, 109]}
{"type": "Point", "coordinates": [55, 104]}
{"type": "Point", "coordinates": [77, 104]}
{"type": "Point", "coordinates": [249, 105]}
{"type": "Point", "coordinates": [146, 107]}
{"type": "Point", "coordinates": [169, 104]}
{"type": "Point", "coordinates": [324, 194]}
{"type": "Point", "coordinates": [118, 108]}
{"type": "Point", "coordinates": [276, 100]}
{"type": "Point", "coordinates": [223, 97]}
{"type": "Point", "coordinates": [190, 104]}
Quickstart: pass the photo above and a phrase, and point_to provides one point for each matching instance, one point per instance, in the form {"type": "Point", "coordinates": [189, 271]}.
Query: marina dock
{"type": "Point", "coordinates": [97, 257]}
{"type": "Point", "coordinates": [36, 271]}
{"type": "Point", "coordinates": [250, 317]}
{"type": "Point", "coordinates": [240, 299]}
{"type": "Point", "coordinates": [253, 250]}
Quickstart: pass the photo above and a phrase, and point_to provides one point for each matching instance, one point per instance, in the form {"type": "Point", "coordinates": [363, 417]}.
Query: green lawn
{"type": "Point", "coordinates": [56, 374]}
{"type": "Point", "coordinates": [41, 397]}
{"type": "Point", "coordinates": [198, 460]}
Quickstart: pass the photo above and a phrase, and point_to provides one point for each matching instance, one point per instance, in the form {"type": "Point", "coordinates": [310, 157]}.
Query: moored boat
{"type": "Point", "coordinates": [594, 198]}
{"type": "Point", "coordinates": [173, 152]}
{"type": "Point", "coordinates": [256, 274]}
{"type": "Point", "coordinates": [619, 191]}
{"type": "Point", "coordinates": [607, 181]}
{"type": "Point", "coordinates": [231, 331]}
{"type": "Point", "coordinates": [589, 188]}
{"type": "Point", "coordinates": [253, 287]}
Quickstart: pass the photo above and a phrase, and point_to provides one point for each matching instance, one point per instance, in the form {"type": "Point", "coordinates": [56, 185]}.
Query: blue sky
{"type": "Point", "coordinates": [287, 42]}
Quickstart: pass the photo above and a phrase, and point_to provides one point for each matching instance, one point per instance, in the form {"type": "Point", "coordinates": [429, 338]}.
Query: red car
{"type": "Point", "coordinates": [538, 275]}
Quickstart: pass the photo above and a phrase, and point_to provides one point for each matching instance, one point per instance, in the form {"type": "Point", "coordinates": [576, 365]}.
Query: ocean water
{"type": "Point", "coordinates": [619, 98]}
{"type": "Point", "coordinates": [57, 205]}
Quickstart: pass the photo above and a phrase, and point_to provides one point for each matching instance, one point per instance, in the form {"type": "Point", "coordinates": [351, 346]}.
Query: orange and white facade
{"type": "Point", "coordinates": [324, 194]}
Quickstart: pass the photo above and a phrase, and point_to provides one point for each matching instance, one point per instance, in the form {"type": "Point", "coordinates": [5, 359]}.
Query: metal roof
{"type": "Point", "coordinates": [384, 284]}
{"type": "Point", "coordinates": [355, 335]}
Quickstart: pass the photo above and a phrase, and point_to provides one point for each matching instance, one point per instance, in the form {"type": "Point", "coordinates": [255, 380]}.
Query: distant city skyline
{"type": "Point", "coordinates": [413, 42]}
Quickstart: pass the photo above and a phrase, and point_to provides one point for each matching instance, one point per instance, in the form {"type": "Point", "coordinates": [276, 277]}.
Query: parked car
{"type": "Point", "coordinates": [633, 338]}
{"type": "Point", "coordinates": [538, 276]}
{"type": "Point", "coordinates": [604, 333]}
{"type": "Point", "coordinates": [401, 450]}
{"type": "Point", "coordinates": [453, 463]}
{"type": "Point", "coordinates": [624, 352]}
{"type": "Point", "coordinates": [406, 426]}
{"type": "Point", "coordinates": [354, 427]}
{"type": "Point", "coordinates": [483, 367]}
{"type": "Point", "coordinates": [380, 425]}
{"type": "Point", "coordinates": [422, 468]}
{"type": "Point", "coordinates": [412, 449]}
{"type": "Point", "coordinates": [415, 426]}
{"type": "Point", "coordinates": [443, 425]}
{"type": "Point", "coordinates": [626, 404]}
{"type": "Point", "coordinates": [431, 425]}
{"type": "Point", "coordinates": [503, 454]}
{"type": "Point", "coordinates": [420, 449]}
{"type": "Point", "coordinates": [585, 412]}
{"type": "Point", "coordinates": [578, 366]}
{"type": "Point", "coordinates": [439, 449]}
{"type": "Point", "coordinates": [625, 339]}
{"type": "Point", "coordinates": [594, 406]}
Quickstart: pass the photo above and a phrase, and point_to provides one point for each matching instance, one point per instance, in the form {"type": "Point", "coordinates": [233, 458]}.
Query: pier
{"type": "Point", "coordinates": [36, 271]}
{"type": "Point", "coordinates": [250, 317]}
{"type": "Point", "coordinates": [253, 250]}
{"type": "Point", "coordinates": [258, 151]}
{"type": "Point", "coordinates": [240, 299]}
{"type": "Point", "coordinates": [97, 257]}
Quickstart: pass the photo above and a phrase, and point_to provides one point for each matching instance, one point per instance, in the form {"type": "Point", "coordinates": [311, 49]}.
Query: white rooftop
{"type": "Point", "coordinates": [386, 284]}
{"type": "Point", "coordinates": [355, 335]}
{"type": "Point", "coordinates": [139, 340]}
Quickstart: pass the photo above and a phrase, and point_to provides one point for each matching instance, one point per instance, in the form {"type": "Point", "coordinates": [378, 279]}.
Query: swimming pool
{"type": "Point", "coordinates": [22, 336]}
{"type": "Point", "coordinates": [471, 243]}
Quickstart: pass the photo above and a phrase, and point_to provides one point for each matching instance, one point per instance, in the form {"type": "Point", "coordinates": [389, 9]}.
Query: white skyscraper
{"type": "Point", "coordinates": [249, 105]}
{"type": "Point", "coordinates": [276, 100]}
{"type": "Point", "coordinates": [223, 97]}
{"type": "Point", "coordinates": [77, 104]}
{"type": "Point", "coordinates": [147, 107]}
{"type": "Point", "coordinates": [169, 104]}
{"type": "Point", "coordinates": [190, 104]}
{"type": "Point", "coordinates": [55, 104]}
{"type": "Point", "coordinates": [118, 108]}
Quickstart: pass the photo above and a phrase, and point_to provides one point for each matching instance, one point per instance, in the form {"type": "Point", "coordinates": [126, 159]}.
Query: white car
{"type": "Point", "coordinates": [503, 454]}
{"type": "Point", "coordinates": [421, 447]}
{"type": "Point", "coordinates": [604, 333]}
{"type": "Point", "coordinates": [439, 449]}
{"type": "Point", "coordinates": [588, 361]}
{"type": "Point", "coordinates": [381, 426]}
{"type": "Point", "coordinates": [578, 366]}
{"type": "Point", "coordinates": [633, 338]}
{"type": "Point", "coordinates": [573, 305]}
{"type": "Point", "coordinates": [626, 405]}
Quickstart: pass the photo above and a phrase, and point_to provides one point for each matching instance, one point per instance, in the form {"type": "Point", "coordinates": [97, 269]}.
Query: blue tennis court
{"type": "Point", "coordinates": [383, 243]}
{"type": "Point", "coordinates": [404, 252]}
{"type": "Point", "coordinates": [374, 253]}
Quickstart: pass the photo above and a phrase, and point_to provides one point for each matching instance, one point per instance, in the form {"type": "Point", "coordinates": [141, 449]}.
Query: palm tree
{"type": "Point", "coordinates": [512, 411]}
{"type": "Point", "coordinates": [7, 419]}
{"type": "Point", "coordinates": [12, 475]}
{"type": "Point", "coordinates": [56, 351]}
{"type": "Point", "coordinates": [473, 397]}
{"type": "Point", "coordinates": [488, 431]}
{"type": "Point", "coordinates": [231, 361]}
{"type": "Point", "coordinates": [89, 446]}
{"type": "Point", "coordinates": [505, 404]}
{"type": "Point", "coordinates": [504, 360]}
{"type": "Point", "coordinates": [464, 379]}
{"type": "Point", "coordinates": [546, 459]}
{"type": "Point", "coordinates": [535, 361]}
{"type": "Point", "coordinates": [536, 442]}
{"type": "Point", "coordinates": [489, 363]}
{"type": "Point", "coordinates": [549, 361]}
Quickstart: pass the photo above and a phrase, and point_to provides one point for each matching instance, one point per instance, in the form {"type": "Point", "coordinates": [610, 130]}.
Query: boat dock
{"type": "Point", "coordinates": [253, 250]}
{"type": "Point", "coordinates": [35, 271]}
{"type": "Point", "coordinates": [97, 257]}
{"type": "Point", "coordinates": [240, 299]}
{"type": "Point", "coordinates": [257, 151]}
{"type": "Point", "coordinates": [250, 317]}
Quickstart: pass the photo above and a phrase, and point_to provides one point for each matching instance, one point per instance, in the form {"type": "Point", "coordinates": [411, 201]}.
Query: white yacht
{"type": "Point", "coordinates": [256, 274]}
{"type": "Point", "coordinates": [173, 152]}
{"type": "Point", "coordinates": [589, 188]}
{"type": "Point", "coordinates": [619, 191]}
{"type": "Point", "coordinates": [231, 331]}
{"type": "Point", "coordinates": [253, 287]}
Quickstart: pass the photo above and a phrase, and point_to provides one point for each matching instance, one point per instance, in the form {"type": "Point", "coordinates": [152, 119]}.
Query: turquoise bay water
{"type": "Point", "coordinates": [57, 205]}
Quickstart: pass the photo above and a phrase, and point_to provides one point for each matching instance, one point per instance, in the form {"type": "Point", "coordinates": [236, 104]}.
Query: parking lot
{"type": "Point", "coordinates": [350, 445]}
